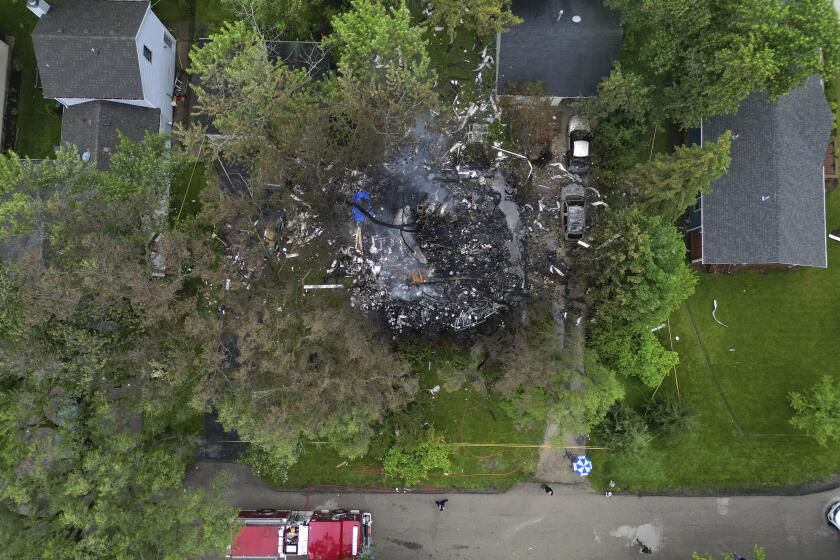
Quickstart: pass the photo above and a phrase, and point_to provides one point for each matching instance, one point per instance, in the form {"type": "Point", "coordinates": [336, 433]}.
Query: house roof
{"type": "Point", "coordinates": [93, 127]}
{"type": "Point", "coordinates": [86, 49]}
{"type": "Point", "coordinates": [570, 59]}
{"type": "Point", "coordinates": [769, 207]}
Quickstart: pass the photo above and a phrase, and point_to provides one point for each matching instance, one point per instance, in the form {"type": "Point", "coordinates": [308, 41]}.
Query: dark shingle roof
{"type": "Point", "coordinates": [86, 49]}
{"type": "Point", "coordinates": [570, 59]}
{"type": "Point", "coordinates": [769, 207]}
{"type": "Point", "coordinates": [93, 127]}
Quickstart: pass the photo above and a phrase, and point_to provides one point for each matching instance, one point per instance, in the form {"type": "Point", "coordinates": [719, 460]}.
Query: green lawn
{"type": "Point", "coordinates": [183, 197]}
{"type": "Point", "coordinates": [206, 11]}
{"type": "Point", "coordinates": [38, 120]}
{"type": "Point", "coordinates": [783, 327]}
{"type": "Point", "coordinates": [463, 416]}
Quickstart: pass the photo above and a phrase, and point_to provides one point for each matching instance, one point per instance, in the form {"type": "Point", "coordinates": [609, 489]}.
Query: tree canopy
{"type": "Point", "coordinates": [817, 412]}
{"type": "Point", "coordinates": [705, 56]}
{"type": "Point", "coordinates": [479, 17]}
{"type": "Point", "coordinates": [669, 183]}
{"type": "Point", "coordinates": [385, 73]}
{"type": "Point", "coordinates": [97, 376]}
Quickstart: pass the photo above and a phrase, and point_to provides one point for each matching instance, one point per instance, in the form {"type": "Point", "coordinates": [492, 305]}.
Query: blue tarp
{"type": "Point", "coordinates": [361, 198]}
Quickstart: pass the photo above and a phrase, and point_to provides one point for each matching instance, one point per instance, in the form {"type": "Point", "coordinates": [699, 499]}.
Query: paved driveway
{"type": "Point", "coordinates": [574, 524]}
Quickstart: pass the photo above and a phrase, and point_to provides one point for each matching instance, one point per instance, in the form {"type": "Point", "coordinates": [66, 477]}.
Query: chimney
{"type": "Point", "coordinates": [38, 7]}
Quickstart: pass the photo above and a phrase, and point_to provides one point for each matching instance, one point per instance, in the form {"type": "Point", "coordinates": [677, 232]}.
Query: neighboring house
{"type": "Point", "coordinates": [769, 207]}
{"type": "Point", "coordinates": [97, 57]}
{"type": "Point", "coordinates": [111, 64]}
{"type": "Point", "coordinates": [93, 127]}
{"type": "Point", "coordinates": [5, 70]}
{"type": "Point", "coordinates": [568, 45]}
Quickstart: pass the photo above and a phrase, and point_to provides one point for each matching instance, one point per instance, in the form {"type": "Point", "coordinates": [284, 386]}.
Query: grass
{"type": "Point", "coordinates": [206, 11]}
{"type": "Point", "coordinates": [38, 120]}
{"type": "Point", "coordinates": [783, 328]}
{"type": "Point", "coordinates": [462, 416]}
{"type": "Point", "coordinates": [183, 197]}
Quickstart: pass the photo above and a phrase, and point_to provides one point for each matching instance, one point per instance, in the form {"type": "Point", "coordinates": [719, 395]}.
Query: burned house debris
{"type": "Point", "coordinates": [437, 244]}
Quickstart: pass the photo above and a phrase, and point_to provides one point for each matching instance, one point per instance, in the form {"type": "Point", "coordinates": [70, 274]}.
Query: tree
{"type": "Point", "coordinates": [817, 412]}
{"type": "Point", "coordinates": [624, 431]}
{"type": "Point", "coordinates": [637, 273]}
{"type": "Point", "coordinates": [479, 17]}
{"type": "Point", "coordinates": [537, 383]}
{"type": "Point", "coordinates": [386, 80]}
{"type": "Point", "coordinates": [758, 554]}
{"type": "Point", "coordinates": [274, 118]}
{"type": "Point", "coordinates": [290, 19]}
{"type": "Point", "coordinates": [705, 56]}
{"type": "Point", "coordinates": [306, 370]}
{"type": "Point", "coordinates": [621, 118]}
{"type": "Point", "coordinates": [638, 354]}
{"type": "Point", "coordinates": [669, 184]}
{"type": "Point", "coordinates": [637, 276]}
{"type": "Point", "coordinates": [98, 373]}
{"type": "Point", "coordinates": [411, 462]}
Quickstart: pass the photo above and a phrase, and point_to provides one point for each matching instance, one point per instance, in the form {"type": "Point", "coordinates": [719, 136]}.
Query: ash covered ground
{"type": "Point", "coordinates": [437, 243]}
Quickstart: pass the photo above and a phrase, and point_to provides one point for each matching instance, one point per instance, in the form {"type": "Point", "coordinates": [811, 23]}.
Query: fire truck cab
{"type": "Point", "coordinates": [269, 534]}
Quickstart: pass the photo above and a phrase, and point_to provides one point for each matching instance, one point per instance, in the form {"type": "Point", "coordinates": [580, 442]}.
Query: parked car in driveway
{"type": "Point", "coordinates": [579, 138]}
{"type": "Point", "coordinates": [833, 515]}
{"type": "Point", "coordinates": [573, 214]}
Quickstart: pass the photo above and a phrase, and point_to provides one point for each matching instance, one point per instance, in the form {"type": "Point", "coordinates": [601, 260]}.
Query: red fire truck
{"type": "Point", "coordinates": [272, 534]}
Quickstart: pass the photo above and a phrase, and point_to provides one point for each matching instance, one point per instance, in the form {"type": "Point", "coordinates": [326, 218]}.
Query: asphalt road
{"type": "Point", "coordinates": [574, 524]}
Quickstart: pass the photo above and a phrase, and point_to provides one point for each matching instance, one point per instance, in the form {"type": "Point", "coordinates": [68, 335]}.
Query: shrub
{"type": "Point", "coordinates": [409, 463]}
{"type": "Point", "coordinates": [817, 412]}
{"type": "Point", "coordinates": [624, 431]}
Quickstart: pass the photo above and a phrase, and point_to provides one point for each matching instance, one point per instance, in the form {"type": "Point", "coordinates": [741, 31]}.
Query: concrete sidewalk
{"type": "Point", "coordinates": [574, 524]}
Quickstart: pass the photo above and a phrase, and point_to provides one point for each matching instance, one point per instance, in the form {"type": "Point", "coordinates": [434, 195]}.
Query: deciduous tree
{"type": "Point", "coordinates": [817, 412]}
{"type": "Point", "coordinates": [386, 80]}
{"type": "Point", "coordinates": [99, 365]}
{"type": "Point", "coordinates": [479, 17]}
{"type": "Point", "coordinates": [705, 56]}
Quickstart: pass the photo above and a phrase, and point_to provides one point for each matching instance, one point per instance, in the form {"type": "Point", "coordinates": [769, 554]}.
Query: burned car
{"type": "Point", "coordinates": [573, 215]}
{"type": "Point", "coordinates": [579, 137]}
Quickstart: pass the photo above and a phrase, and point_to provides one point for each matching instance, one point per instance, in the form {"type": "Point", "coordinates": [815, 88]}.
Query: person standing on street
{"type": "Point", "coordinates": [548, 489]}
{"type": "Point", "coordinates": [441, 504]}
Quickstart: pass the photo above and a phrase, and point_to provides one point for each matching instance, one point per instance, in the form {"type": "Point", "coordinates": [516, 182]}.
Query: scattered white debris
{"type": "Point", "coordinates": [654, 329]}
{"type": "Point", "coordinates": [435, 390]}
{"type": "Point", "coordinates": [834, 237]}
{"type": "Point", "coordinates": [599, 203]}
{"type": "Point", "coordinates": [579, 319]}
{"type": "Point", "coordinates": [555, 270]}
{"type": "Point", "coordinates": [584, 244]}
{"type": "Point", "coordinates": [322, 286]}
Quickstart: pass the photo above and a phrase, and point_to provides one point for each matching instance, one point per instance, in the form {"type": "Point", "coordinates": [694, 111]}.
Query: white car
{"type": "Point", "coordinates": [579, 137]}
{"type": "Point", "coordinates": [833, 514]}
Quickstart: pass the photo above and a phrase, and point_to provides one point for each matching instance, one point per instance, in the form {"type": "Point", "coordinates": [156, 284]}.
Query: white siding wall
{"type": "Point", "coordinates": [5, 67]}
{"type": "Point", "coordinates": [158, 76]}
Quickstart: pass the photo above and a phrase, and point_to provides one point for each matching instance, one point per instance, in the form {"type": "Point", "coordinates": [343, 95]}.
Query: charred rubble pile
{"type": "Point", "coordinates": [436, 247]}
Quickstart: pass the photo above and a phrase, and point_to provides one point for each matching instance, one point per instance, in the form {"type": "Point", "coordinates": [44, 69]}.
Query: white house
{"type": "Point", "coordinates": [114, 51]}
{"type": "Point", "coordinates": [5, 67]}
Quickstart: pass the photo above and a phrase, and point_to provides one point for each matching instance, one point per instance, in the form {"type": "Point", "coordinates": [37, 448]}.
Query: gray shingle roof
{"type": "Point", "coordinates": [570, 59]}
{"type": "Point", "coordinates": [769, 207]}
{"type": "Point", "coordinates": [93, 127]}
{"type": "Point", "coordinates": [86, 49]}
